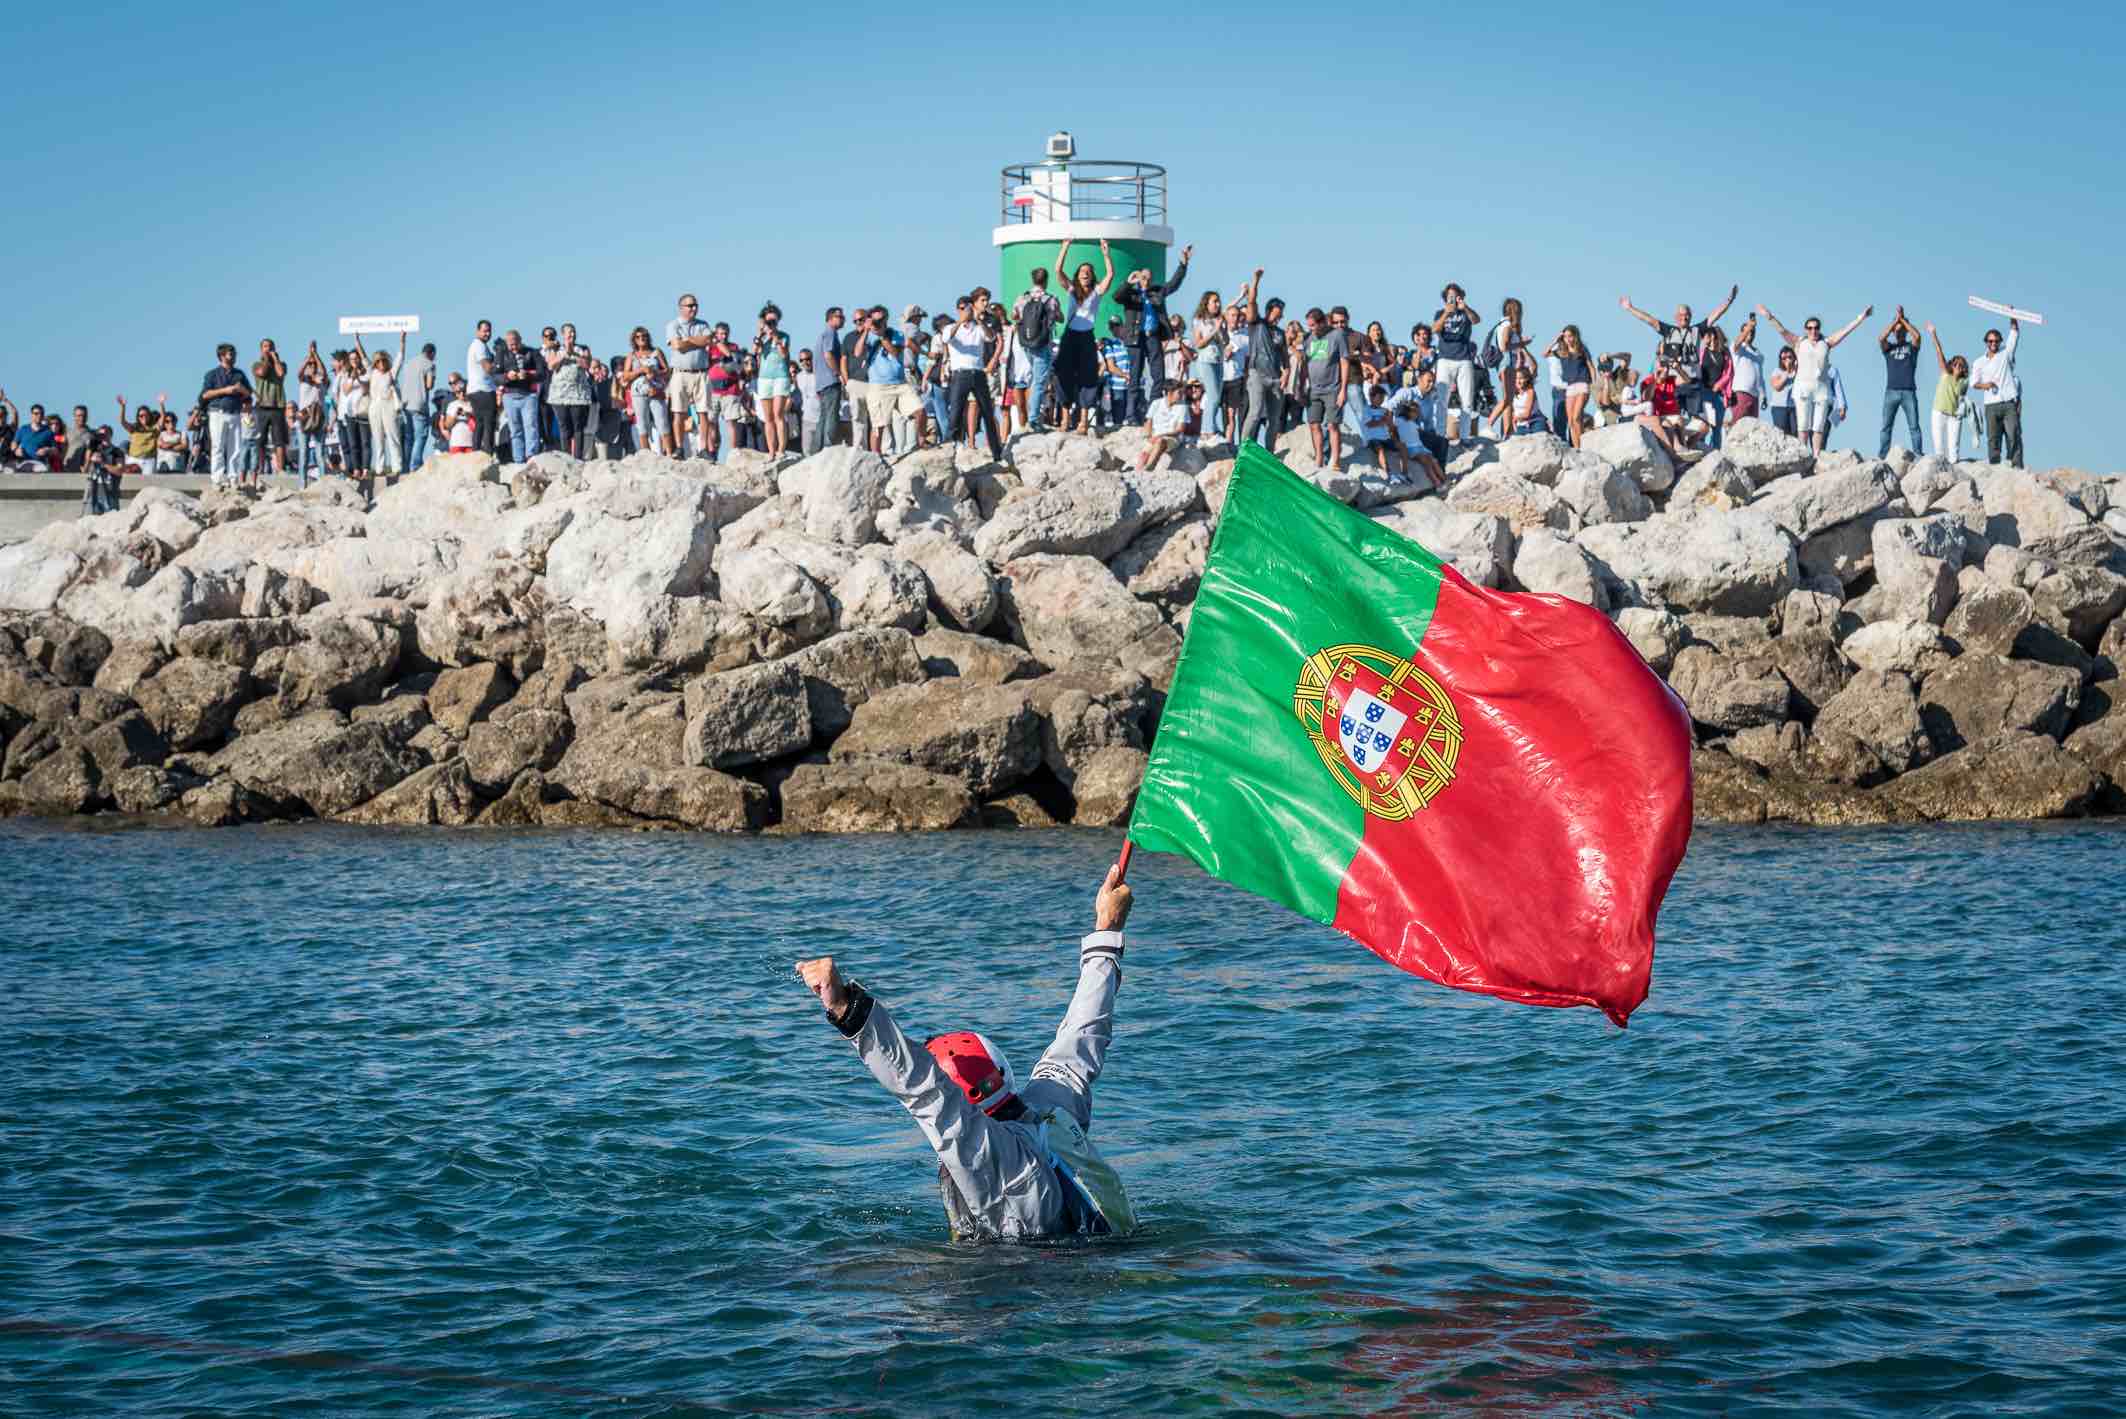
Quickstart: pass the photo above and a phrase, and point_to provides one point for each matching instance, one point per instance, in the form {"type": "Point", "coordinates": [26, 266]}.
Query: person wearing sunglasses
{"type": "Point", "coordinates": [1994, 377]}
{"type": "Point", "coordinates": [1812, 355]}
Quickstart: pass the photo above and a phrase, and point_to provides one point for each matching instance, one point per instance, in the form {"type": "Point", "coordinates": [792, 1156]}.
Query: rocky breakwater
{"type": "Point", "coordinates": [844, 643]}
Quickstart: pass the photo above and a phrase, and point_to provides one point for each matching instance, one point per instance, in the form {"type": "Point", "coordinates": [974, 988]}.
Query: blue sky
{"type": "Point", "coordinates": [247, 171]}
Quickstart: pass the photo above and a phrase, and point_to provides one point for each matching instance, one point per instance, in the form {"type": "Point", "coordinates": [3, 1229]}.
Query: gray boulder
{"type": "Point", "coordinates": [1738, 564]}
{"type": "Point", "coordinates": [2078, 601]}
{"type": "Point", "coordinates": [1916, 564]}
{"type": "Point", "coordinates": [1105, 790]}
{"type": "Point", "coordinates": [765, 584]}
{"type": "Point", "coordinates": [1545, 562]}
{"type": "Point", "coordinates": [2009, 775]}
{"type": "Point", "coordinates": [1762, 453]}
{"type": "Point", "coordinates": [461, 696]}
{"type": "Point", "coordinates": [1976, 697]}
{"type": "Point", "coordinates": [963, 593]}
{"type": "Point", "coordinates": [440, 795]}
{"type": "Point", "coordinates": [488, 611]}
{"type": "Point", "coordinates": [1913, 648]}
{"type": "Point", "coordinates": [978, 660]}
{"type": "Point", "coordinates": [745, 716]}
{"type": "Point", "coordinates": [497, 751]}
{"type": "Point", "coordinates": [989, 736]}
{"type": "Point", "coordinates": [1879, 711]}
{"type": "Point", "coordinates": [1656, 635]}
{"type": "Point", "coordinates": [844, 490]}
{"type": "Point", "coordinates": [1634, 452]}
{"type": "Point", "coordinates": [192, 703]}
{"type": "Point", "coordinates": [1598, 493]}
{"type": "Point", "coordinates": [882, 591]}
{"type": "Point", "coordinates": [1523, 504]}
{"type": "Point", "coordinates": [1067, 609]}
{"type": "Point", "coordinates": [842, 672]}
{"type": "Point", "coordinates": [1729, 693]}
{"type": "Point", "coordinates": [1989, 617]}
{"type": "Point", "coordinates": [317, 762]}
{"type": "Point", "coordinates": [873, 796]}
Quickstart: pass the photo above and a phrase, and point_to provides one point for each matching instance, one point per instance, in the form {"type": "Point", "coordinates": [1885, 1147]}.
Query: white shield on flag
{"type": "Point", "coordinates": [1367, 729]}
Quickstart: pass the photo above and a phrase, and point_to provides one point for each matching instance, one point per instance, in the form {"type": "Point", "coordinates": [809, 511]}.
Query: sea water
{"type": "Point", "coordinates": [320, 1121]}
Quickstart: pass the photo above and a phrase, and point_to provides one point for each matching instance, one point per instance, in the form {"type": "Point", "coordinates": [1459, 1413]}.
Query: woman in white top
{"type": "Point", "coordinates": [1207, 339]}
{"type": "Point", "coordinates": [1078, 361]}
{"type": "Point", "coordinates": [1745, 392]}
{"type": "Point", "coordinates": [972, 356]}
{"type": "Point", "coordinates": [351, 388]}
{"type": "Point", "coordinates": [383, 403]}
{"type": "Point", "coordinates": [1812, 355]}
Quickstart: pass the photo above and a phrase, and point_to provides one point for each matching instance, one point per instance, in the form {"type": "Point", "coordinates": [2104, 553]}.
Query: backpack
{"type": "Point", "coordinates": [1493, 355]}
{"type": "Point", "coordinates": [1037, 323]}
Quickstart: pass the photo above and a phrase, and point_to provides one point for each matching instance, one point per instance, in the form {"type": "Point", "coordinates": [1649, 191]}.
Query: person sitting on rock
{"type": "Point", "coordinates": [1013, 1164]}
{"type": "Point", "coordinates": [1662, 413]}
{"type": "Point", "coordinates": [1168, 418]}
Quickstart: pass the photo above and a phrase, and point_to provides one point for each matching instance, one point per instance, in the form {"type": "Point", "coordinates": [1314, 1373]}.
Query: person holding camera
{"type": "Point", "coordinates": [568, 390]}
{"type": "Point", "coordinates": [771, 357]}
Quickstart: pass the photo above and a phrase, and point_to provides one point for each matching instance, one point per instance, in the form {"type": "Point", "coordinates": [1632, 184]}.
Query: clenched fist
{"type": "Point", "coordinates": [825, 981]}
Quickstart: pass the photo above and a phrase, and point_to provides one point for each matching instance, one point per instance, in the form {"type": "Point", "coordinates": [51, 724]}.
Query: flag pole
{"type": "Point", "coordinates": [1122, 862]}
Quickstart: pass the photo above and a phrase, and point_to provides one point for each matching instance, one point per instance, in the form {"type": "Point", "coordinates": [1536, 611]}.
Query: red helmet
{"type": "Point", "coordinates": [978, 1067]}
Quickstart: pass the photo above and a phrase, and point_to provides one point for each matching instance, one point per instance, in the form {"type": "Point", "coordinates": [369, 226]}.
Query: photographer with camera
{"type": "Point", "coordinates": [771, 358]}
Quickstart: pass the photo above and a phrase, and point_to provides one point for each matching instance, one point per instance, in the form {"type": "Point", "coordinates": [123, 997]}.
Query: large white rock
{"type": "Point", "coordinates": [763, 583]}
{"type": "Point", "coordinates": [882, 591]}
{"type": "Point", "coordinates": [2043, 523]}
{"type": "Point", "coordinates": [1926, 480]}
{"type": "Point", "coordinates": [1069, 609]}
{"type": "Point", "coordinates": [1913, 647]}
{"type": "Point", "coordinates": [1095, 514]}
{"type": "Point", "coordinates": [458, 499]}
{"type": "Point", "coordinates": [1599, 493]}
{"type": "Point", "coordinates": [33, 575]}
{"type": "Point", "coordinates": [1633, 451]}
{"type": "Point", "coordinates": [1656, 635]}
{"type": "Point", "coordinates": [1044, 460]}
{"type": "Point", "coordinates": [1805, 506]}
{"type": "Point", "coordinates": [632, 539]}
{"type": "Point", "coordinates": [1539, 458]}
{"type": "Point", "coordinates": [1478, 545]}
{"type": "Point", "coordinates": [1166, 564]}
{"type": "Point", "coordinates": [962, 590]}
{"type": "Point", "coordinates": [1524, 504]}
{"type": "Point", "coordinates": [1712, 482]}
{"type": "Point", "coordinates": [1547, 562]}
{"type": "Point", "coordinates": [354, 568]}
{"type": "Point", "coordinates": [844, 489]}
{"type": "Point", "coordinates": [1763, 453]}
{"type": "Point", "coordinates": [927, 495]}
{"type": "Point", "coordinates": [1916, 563]}
{"type": "Point", "coordinates": [1739, 563]}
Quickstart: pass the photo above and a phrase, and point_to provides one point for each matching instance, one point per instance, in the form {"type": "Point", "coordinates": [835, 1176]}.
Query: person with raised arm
{"type": "Point", "coordinates": [1947, 421]}
{"type": "Point", "coordinates": [1679, 345]}
{"type": "Point", "coordinates": [1014, 1164]}
{"type": "Point", "coordinates": [1078, 358]}
{"type": "Point", "coordinates": [1994, 377]}
{"type": "Point", "coordinates": [1900, 343]}
{"type": "Point", "coordinates": [1812, 355]}
{"type": "Point", "coordinates": [1266, 364]}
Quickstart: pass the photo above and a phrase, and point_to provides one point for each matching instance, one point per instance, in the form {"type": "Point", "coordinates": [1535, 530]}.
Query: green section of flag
{"type": "Point", "coordinates": [1234, 782]}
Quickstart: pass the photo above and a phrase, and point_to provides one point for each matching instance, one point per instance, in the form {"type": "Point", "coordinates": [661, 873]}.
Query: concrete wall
{"type": "Point", "coordinates": [30, 502]}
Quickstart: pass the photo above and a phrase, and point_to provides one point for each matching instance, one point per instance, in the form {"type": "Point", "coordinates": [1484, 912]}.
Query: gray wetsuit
{"type": "Point", "coordinates": [996, 1178]}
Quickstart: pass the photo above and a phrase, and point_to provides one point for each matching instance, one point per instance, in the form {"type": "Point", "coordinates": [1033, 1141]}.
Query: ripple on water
{"type": "Point", "coordinates": [534, 1123]}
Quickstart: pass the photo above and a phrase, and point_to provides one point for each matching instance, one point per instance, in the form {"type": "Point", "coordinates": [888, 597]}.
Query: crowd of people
{"type": "Point", "coordinates": [1237, 367]}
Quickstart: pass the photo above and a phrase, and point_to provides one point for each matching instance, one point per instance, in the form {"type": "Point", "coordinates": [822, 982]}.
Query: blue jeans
{"type": "Point", "coordinates": [311, 451]}
{"type": "Point", "coordinates": [521, 413]}
{"type": "Point", "coordinates": [934, 401]}
{"type": "Point", "coordinates": [1213, 376]}
{"type": "Point", "coordinates": [1892, 401]}
{"type": "Point", "coordinates": [413, 436]}
{"type": "Point", "coordinates": [1038, 369]}
{"type": "Point", "coordinates": [1707, 402]}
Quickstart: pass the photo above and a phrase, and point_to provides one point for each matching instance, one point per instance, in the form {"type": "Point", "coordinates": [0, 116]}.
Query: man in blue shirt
{"type": "Point", "coordinates": [224, 391]}
{"type": "Point", "coordinates": [885, 370]}
{"type": "Point", "coordinates": [828, 373]}
{"type": "Point", "coordinates": [1145, 300]}
{"type": "Point", "coordinates": [35, 438]}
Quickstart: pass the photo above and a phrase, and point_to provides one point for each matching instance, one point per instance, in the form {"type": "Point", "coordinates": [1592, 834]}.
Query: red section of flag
{"type": "Point", "coordinates": [1536, 874]}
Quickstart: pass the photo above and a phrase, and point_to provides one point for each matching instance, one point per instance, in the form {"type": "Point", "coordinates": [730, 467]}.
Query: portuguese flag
{"type": "Point", "coordinates": [1490, 790]}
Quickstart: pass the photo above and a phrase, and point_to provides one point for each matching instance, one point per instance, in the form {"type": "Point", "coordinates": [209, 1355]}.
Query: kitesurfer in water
{"type": "Point", "coordinates": [1014, 1164]}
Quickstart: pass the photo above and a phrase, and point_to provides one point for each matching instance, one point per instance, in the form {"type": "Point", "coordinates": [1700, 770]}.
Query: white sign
{"type": "Point", "coordinates": [379, 324]}
{"type": "Point", "coordinates": [2008, 310]}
